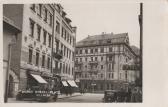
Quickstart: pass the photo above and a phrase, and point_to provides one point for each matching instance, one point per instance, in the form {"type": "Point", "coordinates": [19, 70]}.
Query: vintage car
{"type": "Point", "coordinates": [37, 95]}
{"type": "Point", "coordinates": [110, 95]}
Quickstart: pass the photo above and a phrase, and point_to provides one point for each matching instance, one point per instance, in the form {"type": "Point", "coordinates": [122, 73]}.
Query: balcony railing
{"type": "Point", "coordinates": [78, 63]}
{"type": "Point", "coordinates": [93, 71]}
{"type": "Point", "coordinates": [93, 62]}
{"type": "Point", "coordinates": [58, 54]}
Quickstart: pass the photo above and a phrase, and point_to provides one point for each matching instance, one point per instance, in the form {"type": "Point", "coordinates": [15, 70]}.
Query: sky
{"type": "Point", "coordinates": [92, 18]}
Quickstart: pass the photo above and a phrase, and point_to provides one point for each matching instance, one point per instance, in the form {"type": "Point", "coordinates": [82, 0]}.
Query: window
{"type": "Point", "coordinates": [58, 27]}
{"type": "Point", "coordinates": [56, 64]}
{"type": "Point", "coordinates": [62, 34]}
{"type": "Point", "coordinates": [108, 41]}
{"type": "Point", "coordinates": [91, 58]}
{"type": "Point", "coordinates": [126, 75]}
{"type": "Point", "coordinates": [81, 51]}
{"type": "Point", "coordinates": [64, 50]}
{"type": "Point", "coordinates": [66, 68]}
{"type": "Point", "coordinates": [86, 59]}
{"type": "Point", "coordinates": [91, 50]}
{"type": "Point", "coordinates": [102, 50]}
{"type": "Point", "coordinates": [70, 41]}
{"type": "Point", "coordinates": [49, 41]}
{"type": "Point", "coordinates": [76, 52]}
{"type": "Point", "coordinates": [60, 66]}
{"type": "Point", "coordinates": [95, 58]}
{"type": "Point", "coordinates": [110, 49]}
{"type": "Point", "coordinates": [51, 19]}
{"type": "Point", "coordinates": [76, 59]}
{"type": "Point", "coordinates": [43, 60]}
{"type": "Point", "coordinates": [44, 37]}
{"type": "Point", "coordinates": [32, 28]}
{"type": "Point", "coordinates": [67, 52]}
{"type": "Point", "coordinates": [96, 50]}
{"type": "Point", "coordinates": [72, 71]}
{"type": "Point", "coordinates": [80, 59]}
{"type": "Point", "coordinates": [113, 66]}
{"type": "Point", "coordinates": [101, 66]}
{"type": "Point", "coordinates": [101, 75]}
{"type": "Point", "coordinates": [37, 58]}
{"type": "Point", "coordinates": [33, 7]}
{"type": "Point", "coordinates": [102, 58]}
{"type": "Point", "coordinates": [85, 75]}
{"type": "Point", "coordinates": [86, 66]}
{"type": "Point", "coordinates": [110, 58]}
{"type": "Point", "coordinates": [91, 66]}
{"type": "Point", "coordinates": [112, 75]}
{"type": "Point", "coordinates": [86, 51]}
{"type": "Point", "coordinates": [109, 75]}
{"type": "Point", "coordinates": [30, 55]}
{"type": "Point", "coordinates": [57, 45]}
{"type": "Point", "coordinates": [38, 32]}
{"type": "Point", "coordinates": [48, 63]}
{"type": "Point", "coordinates": [65, 34]}
{"type": "Point", "coordinates": [39, 6]}
{"type": "Point", "coordinates": [70, 55]}
{"type": "Point", "coordinates": [45, 15]}
{"type": "Point", "coordinates": [120, 75]}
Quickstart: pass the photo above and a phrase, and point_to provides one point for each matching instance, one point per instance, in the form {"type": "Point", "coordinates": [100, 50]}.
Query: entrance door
{"type": "Point", "coordinates": [11, 86]}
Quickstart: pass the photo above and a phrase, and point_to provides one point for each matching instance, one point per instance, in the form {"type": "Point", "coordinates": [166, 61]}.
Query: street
{"type": "Point", "coordinates": [75, 98]}
{"type": "Point", "coordinates": [84, 98]}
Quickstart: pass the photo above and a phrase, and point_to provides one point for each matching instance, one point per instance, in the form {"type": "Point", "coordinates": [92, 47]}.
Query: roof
{"type": "Point", "coordinates": [103, 39]}
{"type": "Point", "coordinates": [136, 50]}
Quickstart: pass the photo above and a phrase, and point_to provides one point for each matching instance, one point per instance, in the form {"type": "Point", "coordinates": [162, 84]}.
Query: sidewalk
{"type": "Point", "coordinates": [13, 100]}
{"type": "Point", "coordinates": [64, 96]}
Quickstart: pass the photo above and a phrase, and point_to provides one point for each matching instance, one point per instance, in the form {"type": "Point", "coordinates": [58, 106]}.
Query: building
{"type": "Point", "coordinates": [45, 50]}
{"type": "Point", "coordinates": [10, 34]}
{"type": "Point", "coordinates": [100, 61]}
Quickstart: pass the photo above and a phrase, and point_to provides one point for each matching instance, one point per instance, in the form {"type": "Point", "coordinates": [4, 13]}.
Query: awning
{"type": "Point", "coordinates": [72, 83]}
{"type": "Point", "coordinates": [39, 79]}
{"type": "Point", "coordinates": [64, 83]}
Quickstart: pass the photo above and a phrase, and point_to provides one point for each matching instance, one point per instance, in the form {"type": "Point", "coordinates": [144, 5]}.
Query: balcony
{"type": "Point", "coordinates": [58, 54]}
{"type": "Point", "coordinates": [94, 71]}
{"type": "Point", "coordinates": [93, 62]}
{"type": "Point", "coordinates": [77, 63]}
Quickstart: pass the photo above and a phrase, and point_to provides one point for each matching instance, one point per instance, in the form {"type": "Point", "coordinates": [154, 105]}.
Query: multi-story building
{"type": "Point", "coordinates": [10, 34]}
{"type": "Point", "coordinates": [99, 62]}
{"type": "Point", "coordinates": [45, 50]}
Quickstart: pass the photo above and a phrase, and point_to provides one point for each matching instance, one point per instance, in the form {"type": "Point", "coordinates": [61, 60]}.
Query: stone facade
{"type": "Point", "coordinates": [42, 48]}
{"type": "Point", "coordinates": [99, 62]}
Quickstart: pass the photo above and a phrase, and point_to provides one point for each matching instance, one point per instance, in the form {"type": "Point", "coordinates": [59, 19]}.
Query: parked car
{"type": "Point", "coordinates": [110, 95]}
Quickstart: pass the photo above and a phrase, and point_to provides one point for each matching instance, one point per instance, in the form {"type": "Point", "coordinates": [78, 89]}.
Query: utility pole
{"type": "Point", "coordinates": [141, 40]}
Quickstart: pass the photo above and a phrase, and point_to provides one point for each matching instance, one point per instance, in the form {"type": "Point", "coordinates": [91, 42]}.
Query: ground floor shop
{"type": "Point", "coordinates": [31, 78]}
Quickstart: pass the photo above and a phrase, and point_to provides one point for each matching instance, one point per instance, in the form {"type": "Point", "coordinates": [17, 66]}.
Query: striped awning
{"type": "Point", "coordinates": [64, 83]}
{"type": "Point", "coordinates": [39, 79]}
{"type": "Point", "coordinates": [72, 83]}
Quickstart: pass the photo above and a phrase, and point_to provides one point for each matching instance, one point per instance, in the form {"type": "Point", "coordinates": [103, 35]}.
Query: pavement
{"type": "Point", "coordinates": [84, 98]}
{"type": "Point", "coordinates": [60, 96]}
